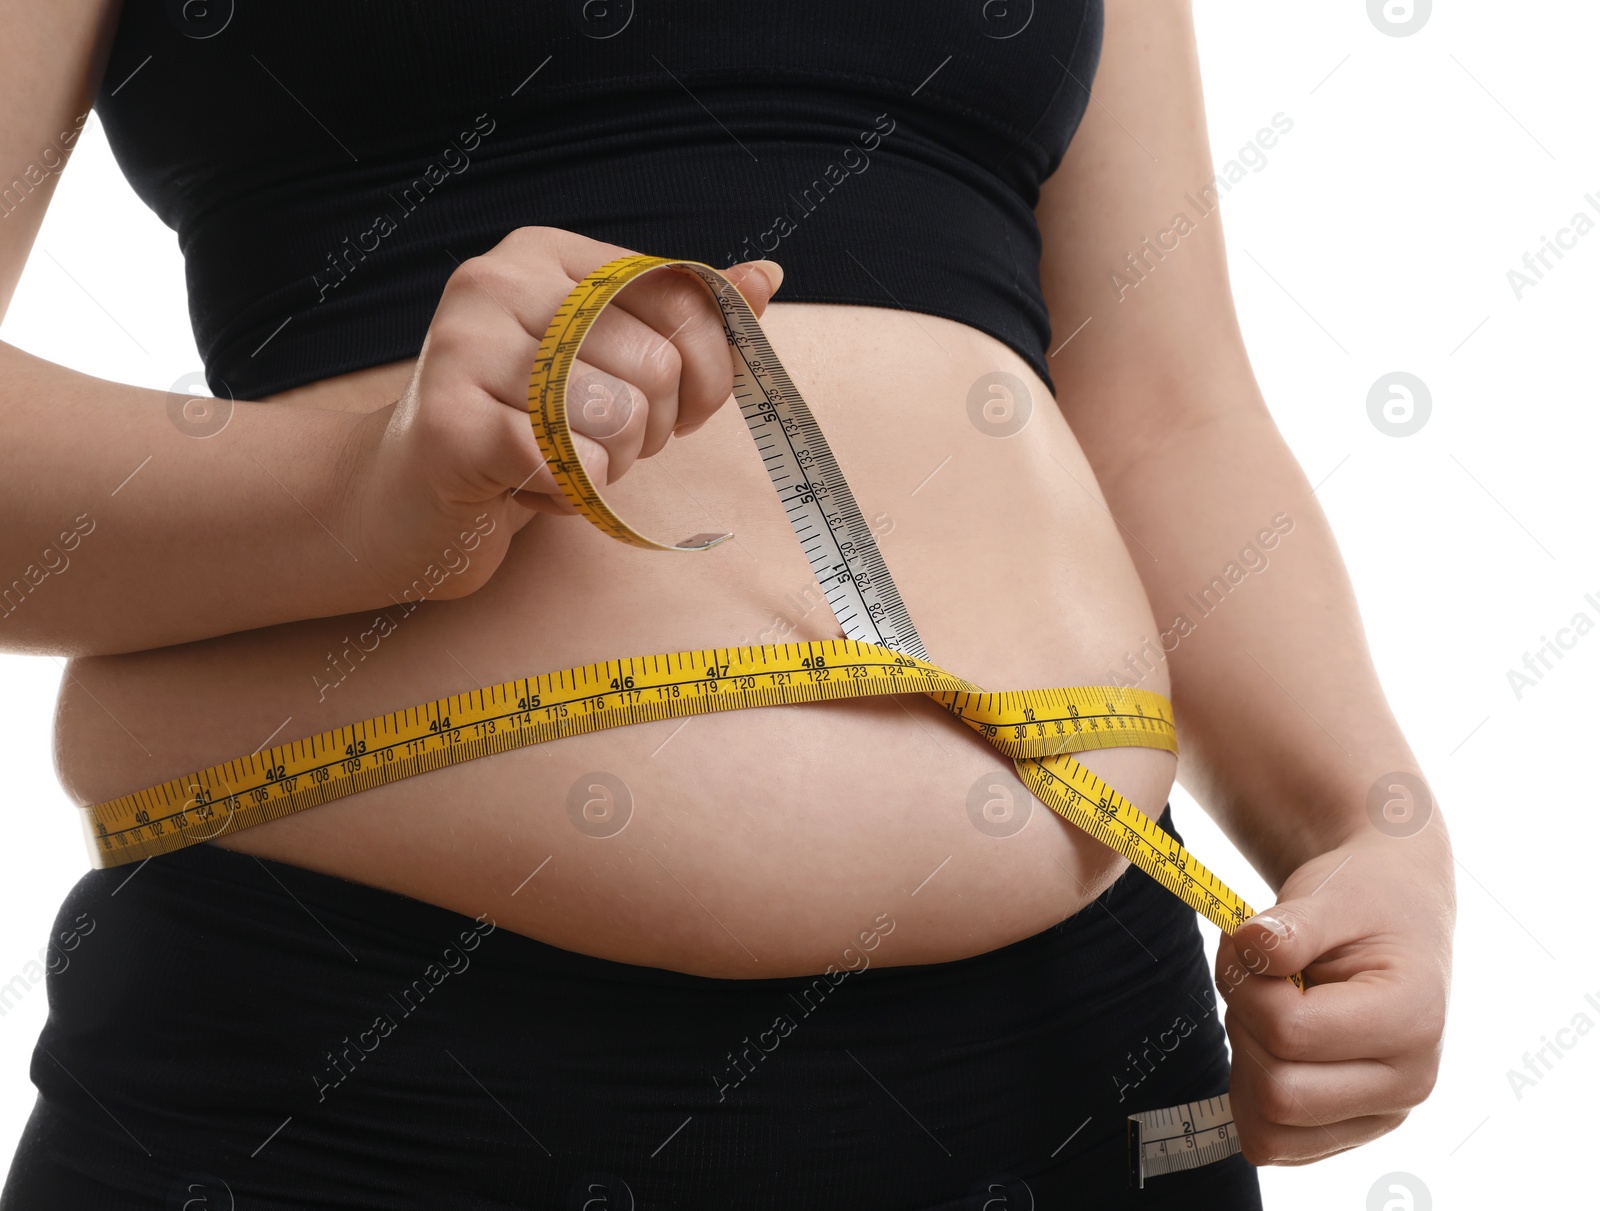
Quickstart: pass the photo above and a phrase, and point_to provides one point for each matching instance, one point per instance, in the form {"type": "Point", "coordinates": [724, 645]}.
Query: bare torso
{"type": "Point", "coordinates": [760, 842]}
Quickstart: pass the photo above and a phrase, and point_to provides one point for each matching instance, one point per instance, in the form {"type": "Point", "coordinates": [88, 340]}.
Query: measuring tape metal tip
{"type": "Point", "coordinates": [702, 542]}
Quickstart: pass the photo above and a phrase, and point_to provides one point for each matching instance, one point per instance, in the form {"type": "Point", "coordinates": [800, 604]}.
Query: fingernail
{"type": "Point", "coordinates": [773, 270]}
{"type": "Point", "coordinates": [1270, 923]}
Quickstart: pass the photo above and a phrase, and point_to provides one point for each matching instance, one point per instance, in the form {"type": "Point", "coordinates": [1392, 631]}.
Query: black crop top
{"type": "Point", "coordinates": [326, 164]}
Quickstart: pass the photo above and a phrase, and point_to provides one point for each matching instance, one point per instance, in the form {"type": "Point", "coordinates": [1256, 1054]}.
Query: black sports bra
{"type": "Point", "coordinates": [326, 164]}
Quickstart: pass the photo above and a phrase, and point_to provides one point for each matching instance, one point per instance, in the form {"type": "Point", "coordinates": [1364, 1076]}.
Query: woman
{"type": "Point", "coordinates": [479, 988]}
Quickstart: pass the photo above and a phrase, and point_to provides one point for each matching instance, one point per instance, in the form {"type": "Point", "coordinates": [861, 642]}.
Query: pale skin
{"type": "Point", "coordinates": [1159, 396]}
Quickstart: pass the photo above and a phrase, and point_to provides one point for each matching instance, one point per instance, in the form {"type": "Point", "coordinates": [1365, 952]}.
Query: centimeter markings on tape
{"type": "Point", "coordinates": [1180, 1137]}
{"type": "Point", "coordinates": [822, 510]}
{"type": "Point", "coordinates": [613, 693]}
{"type": "Point", "coordinates": [880, 654]}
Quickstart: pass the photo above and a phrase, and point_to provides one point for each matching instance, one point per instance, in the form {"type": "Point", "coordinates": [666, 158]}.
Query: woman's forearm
{"type": "Point", "coordinates": [119, 532]}
{"type": "Point", "coordinates": [1283, 724]}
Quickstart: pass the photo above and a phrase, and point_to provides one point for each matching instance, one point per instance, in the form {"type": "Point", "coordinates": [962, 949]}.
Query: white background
{"type": "Point", "coordinates": [1377, 237]}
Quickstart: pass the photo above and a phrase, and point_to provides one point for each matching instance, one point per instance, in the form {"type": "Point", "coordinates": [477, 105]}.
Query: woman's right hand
{"type": "Point", "coordinates": [453, 466]}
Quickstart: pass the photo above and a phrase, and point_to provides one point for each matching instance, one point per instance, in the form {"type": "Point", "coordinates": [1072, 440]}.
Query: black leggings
{"type": "Point", "coordinates": [230, 1033]}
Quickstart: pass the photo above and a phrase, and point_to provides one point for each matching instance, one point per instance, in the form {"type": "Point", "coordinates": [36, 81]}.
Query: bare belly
{"type": "Point", "coordinates": [752, 843]}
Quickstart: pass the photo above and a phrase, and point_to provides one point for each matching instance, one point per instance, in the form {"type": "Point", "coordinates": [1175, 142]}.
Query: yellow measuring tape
{"type": "Point", "coordinates": [881, 654]}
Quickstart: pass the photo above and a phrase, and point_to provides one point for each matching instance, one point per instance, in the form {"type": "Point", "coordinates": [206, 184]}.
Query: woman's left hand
{"type": "Point", "coordinates": [1369, 923]}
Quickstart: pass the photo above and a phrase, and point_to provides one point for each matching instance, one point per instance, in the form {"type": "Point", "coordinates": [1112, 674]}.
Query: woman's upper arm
{"type": "Point", "coordinates": [1133, 248]}
{"type": "Point", "coordinates": [51, 60]}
